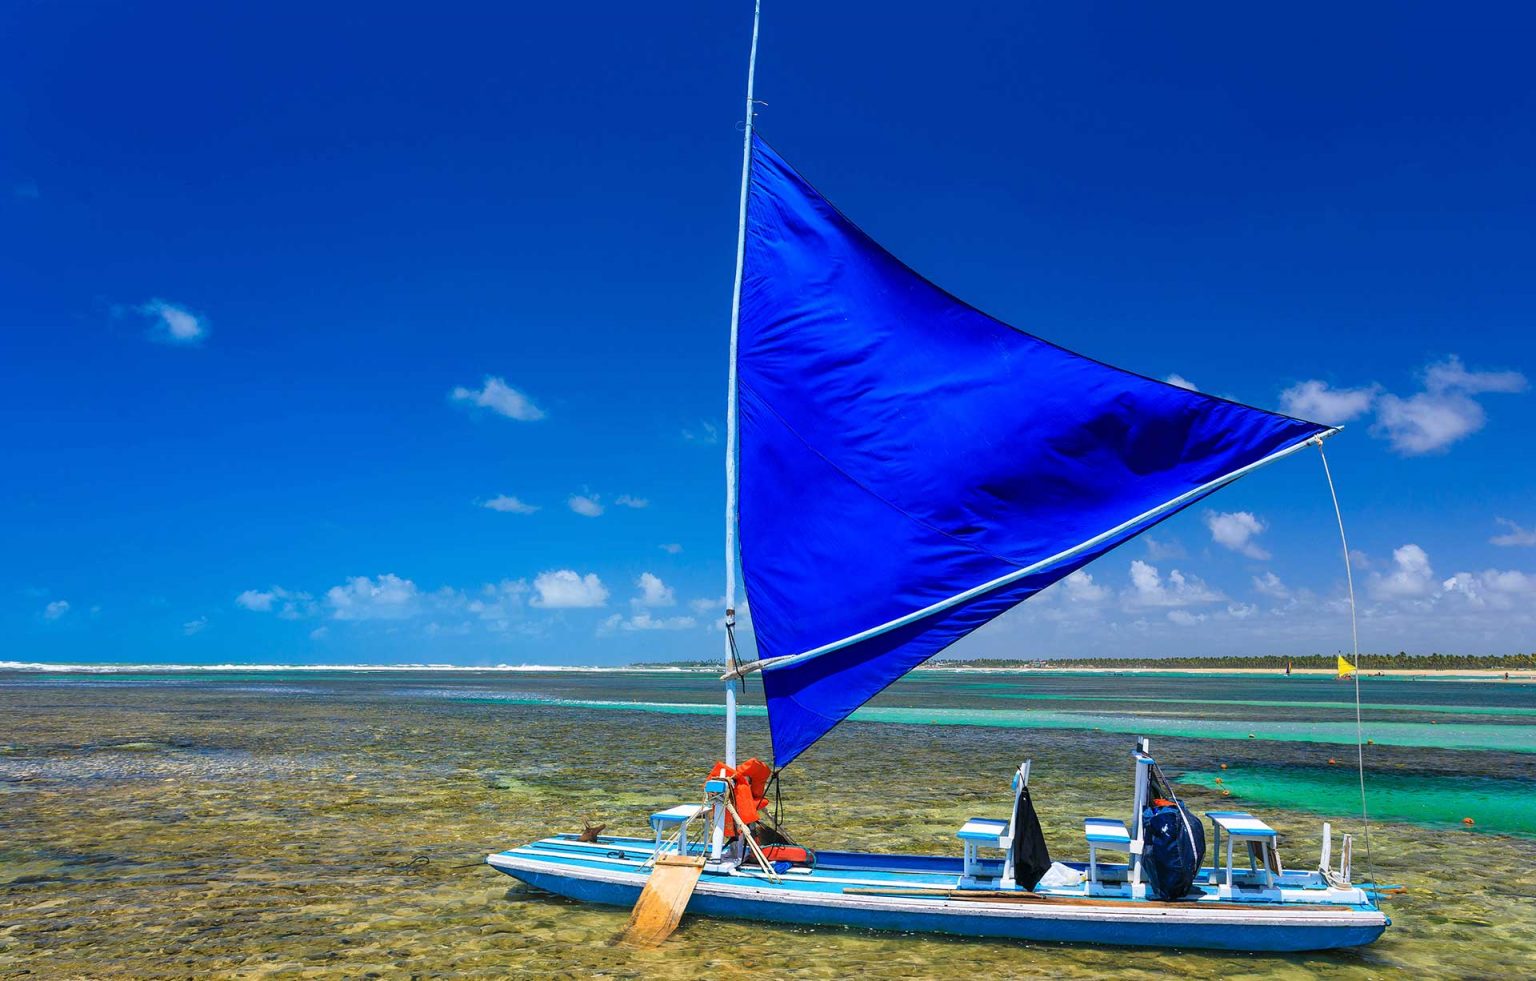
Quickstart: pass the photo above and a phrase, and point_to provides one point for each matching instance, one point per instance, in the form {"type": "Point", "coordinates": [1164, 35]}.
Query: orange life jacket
{"type": "Point", "coordinates": [749, 790]}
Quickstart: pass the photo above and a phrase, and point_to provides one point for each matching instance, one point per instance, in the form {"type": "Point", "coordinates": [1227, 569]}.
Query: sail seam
{"type": "Point", "coordinates": [1187, 497]}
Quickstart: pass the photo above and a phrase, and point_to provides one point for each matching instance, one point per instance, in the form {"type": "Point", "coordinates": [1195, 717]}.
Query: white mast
{"type": "Point", "coordinates": [730, 408]}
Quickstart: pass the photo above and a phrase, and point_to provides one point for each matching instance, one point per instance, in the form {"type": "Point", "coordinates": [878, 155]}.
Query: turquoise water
{"type": "Point", "coordinates": [1494, 805]}
{"type": "Point", "coordinates": [1509, 738]}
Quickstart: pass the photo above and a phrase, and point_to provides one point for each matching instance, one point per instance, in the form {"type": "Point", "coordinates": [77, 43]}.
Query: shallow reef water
{"type": "Point", "coordinates": [333, 824]}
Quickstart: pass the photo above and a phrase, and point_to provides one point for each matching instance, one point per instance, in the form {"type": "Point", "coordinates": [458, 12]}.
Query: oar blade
{"type": "Point", "coordinates": [662, 901]}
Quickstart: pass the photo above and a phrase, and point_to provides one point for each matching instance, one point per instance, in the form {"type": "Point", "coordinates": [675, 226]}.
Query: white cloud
{"type": "Point", "coordinates": [1494, 588]}
{"type": "Point", "coordinates": [645, 621]}
{"type": "Point", "coordinates": [194, 626]}
{"type": "Point", "coordinates": [564, 589]}
{"type": "Point", "coordinates": [1316, 401]}
{"type": "Point", "coordinates": [1181, 382]}
{"type": "Point", "coordinates": [1080, 588]}
{"type": "Point", "coordinates": [1236, 530]}
{"type": "Point", "coordinates": [1159, 549]}
{"type": "Point", "coordinates": [1270, 585]}
{"type": "Point", "coordinates": [1515, 536]}
{"type": "Point", "coordinates": [1149, 590]}
{"type": "Point", "coordinates": [1428, 422]}
{"type": "Point", "coordinates": [386, 598]}
{"type": "Point", "coordinates": [1452, 375]}
{"type": "Point", "coordinates": [653, 592]}
{"type": "Point", "coordinates": [508, 504]}
{"type": "Point", "coordinates": [1411, 576]}
{"type": "Point", "coordinates": [707, 434]}
{"type": "Point", "coordinates": [500, 398]}
{"type": "Point", "coordinates": [1425, 422]}
{"type": "Point", "coordinates": [1445, 412]}
{"type": "Point", "coordinates": [705, 607]}
{"type": "Point", "coordinates": [629, 501]}
{"type": "Point", "coordinates": [672, 548]}
{"type": "Point", "coordinates": [1184, 618]}
{"type": "Point", "coordinates": [289, 605]}
{"type": "Point", "coordinates": [55, 609]}
{"type": "Point", "coordinates": [587, 505]}
{"type": "Point", "coordinates": [172, 324]}
{"type": "Point", "coordinates": [498, 604]}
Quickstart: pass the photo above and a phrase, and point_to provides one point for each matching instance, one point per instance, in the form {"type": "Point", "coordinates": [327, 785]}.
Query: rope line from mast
{"type": "Point", "coordinates": [1354, 631]}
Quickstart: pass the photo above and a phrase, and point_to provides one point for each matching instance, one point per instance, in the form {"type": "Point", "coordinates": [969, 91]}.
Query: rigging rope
{"type": "Point", "coordinates": [1354, 631]}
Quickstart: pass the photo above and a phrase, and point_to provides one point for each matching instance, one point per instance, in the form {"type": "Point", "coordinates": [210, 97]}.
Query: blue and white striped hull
{"type": "Point", "coordinates": [612, 872]}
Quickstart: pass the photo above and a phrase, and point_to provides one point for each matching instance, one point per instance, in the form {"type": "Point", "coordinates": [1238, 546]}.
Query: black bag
{"type": "Point", "coordinates": [1030, 858]}
{"type": "Point", "coordinates": [1173, 849]}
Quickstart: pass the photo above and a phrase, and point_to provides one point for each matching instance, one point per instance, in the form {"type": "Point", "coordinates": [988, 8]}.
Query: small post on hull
{"type": "Point", "coordinates": [1143, 757]}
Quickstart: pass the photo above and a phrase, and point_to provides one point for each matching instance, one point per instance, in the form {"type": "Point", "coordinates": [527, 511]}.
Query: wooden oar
{"type": "Point", "coordinates": [662, 901]}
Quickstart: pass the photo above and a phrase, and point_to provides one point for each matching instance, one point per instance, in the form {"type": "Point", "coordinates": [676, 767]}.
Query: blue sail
{"type": "Point", "coordinates": [911, 468]}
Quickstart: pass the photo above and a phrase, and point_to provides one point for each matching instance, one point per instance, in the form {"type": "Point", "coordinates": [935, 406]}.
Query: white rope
{"type": "Point", "coordinates": [1354, 632]}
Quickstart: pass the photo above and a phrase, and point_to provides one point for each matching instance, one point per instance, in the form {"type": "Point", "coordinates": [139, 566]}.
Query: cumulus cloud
{"type": "Point", "coordinates": [653, 592]}
{"type": "Point", "coordinates": [56, 609]}
{"type": "Point", "coordinates": [1270, 585]}
{"type": "Point", "coordinates": [1515, 536]}
{"type": "Point", "coordinates": [671, 548]}
{"type": "Point", "coordinates": [1429, 421]}
{"type": "Point", "coordinates": [1184, 618]}
{"type": "Point", "coordinates": [1181, 382]}
{"type": "Point", "coordinates": [498, 604]}
{"type": "Point", "coordinates": [586, 505]}
{"type": "Point", "coordinates": [564, 589]}
{"type": "Point", "coordinates": [287, 604]}
{"type": "Point", "coordinates": [495, 394]}
{"type": "Point", "coordinates": [1079, 587]}
{"type": "Point", "coordinates": [1148, 589]}
{"type": "Point", "coordinates": [173, 324]}
{"type": "Point", "coordinates": [386, 598]}
{"type": "Point", "coordinates": [1445, 412]}
{"type": "Point", "coordinates": [1409, 578]}
{"type": "Point", "coordinates": [1317, 401]}
{"type": "Point", "coordinates": [508, 504]}
{"type": "Point", "coordinates": [643, 620]}
{"type": "Point", "coordinates": [1236, 530]}
{"type": "Point", "coordinates": [1159, 549]}
{"type": "Point", "coordinates": [630, 501]}
{"type": "Point", "coordinates": [1494, 588]}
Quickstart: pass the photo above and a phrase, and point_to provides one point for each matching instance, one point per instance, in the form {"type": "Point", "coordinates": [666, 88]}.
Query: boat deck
{"type": "Point", "coordinates": [923, 893]}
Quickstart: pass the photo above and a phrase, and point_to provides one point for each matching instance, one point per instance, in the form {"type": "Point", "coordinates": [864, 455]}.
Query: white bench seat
{"type": "Point", "coordinates": [661, 821]}
{"type": "Point", "coordinates": [1103, 833]}
{"type": "Point", "coordinates": [986, 832]}
{"type": "Point", "coordinates": [1106, 832]}
{"type": "Point", "coordinates": [1241, 828]}
{"type": "Point", "coordinates": [976, 834]}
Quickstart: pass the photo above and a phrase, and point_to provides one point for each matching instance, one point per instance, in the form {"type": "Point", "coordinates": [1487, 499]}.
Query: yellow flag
{"type": "Point", "coordinates": [1345, 668]}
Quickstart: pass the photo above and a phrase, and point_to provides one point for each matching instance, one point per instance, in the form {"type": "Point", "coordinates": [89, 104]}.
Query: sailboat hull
{"type": "Point", "coordinates": [843, 891]}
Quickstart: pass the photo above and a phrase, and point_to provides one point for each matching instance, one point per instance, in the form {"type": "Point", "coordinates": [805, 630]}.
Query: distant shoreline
{"type": "Point", "coordinates": [1524, 675]}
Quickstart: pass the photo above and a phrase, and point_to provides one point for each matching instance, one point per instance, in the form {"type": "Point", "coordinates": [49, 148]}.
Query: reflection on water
{"type": "Point", "coordinates": [337, 824]}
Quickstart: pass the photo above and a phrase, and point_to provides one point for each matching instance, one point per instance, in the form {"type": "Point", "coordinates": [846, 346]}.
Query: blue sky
{"type": "Point", "coordinates": [373, 333]}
